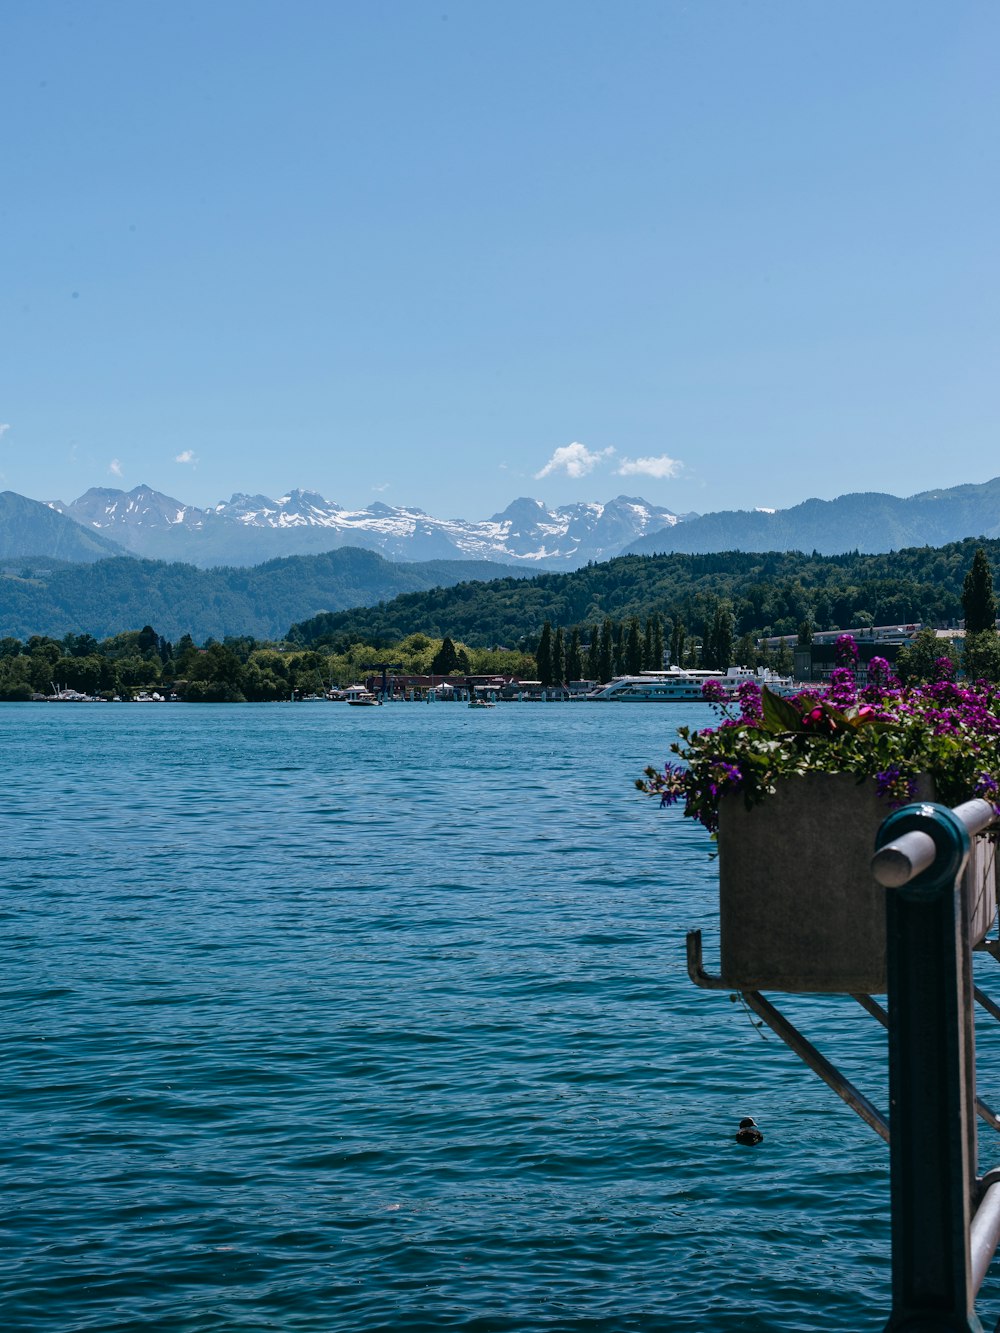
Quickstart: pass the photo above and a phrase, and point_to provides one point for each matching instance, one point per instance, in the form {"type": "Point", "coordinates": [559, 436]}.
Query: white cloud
{"type": "Point", "coordinates": [575, 459]}
{"type": "Point", "coordinates": [186, 457]}
{"type": "Point", "coordinates": [383, 487]}
{"type": "Point", "coordinates": [660, 466]}
{"type": "Point", "coordinates": [115, 468]}
{"type": "Point", "coordinates": [4, 428]}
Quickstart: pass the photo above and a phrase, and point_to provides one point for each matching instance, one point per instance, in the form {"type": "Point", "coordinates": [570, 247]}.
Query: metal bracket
{"type": "Point", "coordinates": [696, 971]}
{"type": "Point", "coordinates": [790, 1035]}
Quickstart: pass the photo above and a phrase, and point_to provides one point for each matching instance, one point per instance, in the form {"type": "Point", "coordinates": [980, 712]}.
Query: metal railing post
{"type": "Point", "coordinates": [931, 1073]}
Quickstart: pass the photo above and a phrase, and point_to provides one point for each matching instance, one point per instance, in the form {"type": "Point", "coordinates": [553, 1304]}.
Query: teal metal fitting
{"type": "Point", "coordinates": [951, 841]}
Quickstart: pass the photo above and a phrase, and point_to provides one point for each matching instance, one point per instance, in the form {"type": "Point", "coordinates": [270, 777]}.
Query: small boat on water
{"type": "Point", "coordinates": [481, 703]}
{"type": "Point", "coordinates": [678, 685]}
{"type": "Point", "coordinates": [360, 697]}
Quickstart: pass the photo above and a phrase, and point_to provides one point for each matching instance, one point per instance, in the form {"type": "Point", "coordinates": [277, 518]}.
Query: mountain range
{"type": "Point", "coordinates": [253, 529]}
{"type": "Point", "coordinates": [864, 521]}
{"type": "Point", "coordinates": [249, 529]}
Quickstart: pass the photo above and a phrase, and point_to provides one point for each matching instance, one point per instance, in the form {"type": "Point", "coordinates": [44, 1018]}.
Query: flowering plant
{"type": "Point", "coordinates": [883, 730]}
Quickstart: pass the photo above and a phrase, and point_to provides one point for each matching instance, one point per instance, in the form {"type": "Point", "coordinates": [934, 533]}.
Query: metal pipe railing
{"type": "Point", "coordinates": [912, 852]}
{"type": "Point", "coordinates": [939, 1253]}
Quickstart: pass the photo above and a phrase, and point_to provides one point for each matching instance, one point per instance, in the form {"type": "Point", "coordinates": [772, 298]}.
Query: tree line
{"type": "Point", "coordinates": [620, 648]}
{"type": "Point", "coordinates": [767, 595]}
{"type": "Point", "coordinates": [232, 670]}
{"type": "Point", "coordinates": [244, 668]}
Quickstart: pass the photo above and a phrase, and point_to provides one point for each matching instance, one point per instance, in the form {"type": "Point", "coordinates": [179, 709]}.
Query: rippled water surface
{"type": "Point", "coordinates": [319, 1018]}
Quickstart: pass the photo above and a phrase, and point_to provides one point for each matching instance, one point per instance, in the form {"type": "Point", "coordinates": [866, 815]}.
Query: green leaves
{"type": "Point", "coordinates": [779, 713]}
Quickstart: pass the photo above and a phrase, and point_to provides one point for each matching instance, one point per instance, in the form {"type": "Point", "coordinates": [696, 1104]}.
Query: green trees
{"type": "Point", "coordinates": [594, 653]}
{"type": "Point", "coordinates": [236, 670]}
{"type": "Point", "coordinates": [917, 661]}
{"type": "Point", "coordinates": [633, 649]}
{"type": "Point", "coordinates": [981, 659]}
{"type": "Point", "coordinates": [745, 653]}
{"type": "Point", "coordinates": [982, 648]}
{"type": "Point", "coordinates": [574, 659]}
{"type": "Point", "coordinates": [978, 599]}
{"type": "Point", "coordinates": [678, 639]}
{"type": "Point", "coordinates": [652, 650]}
{"type": "Point", "coordinates": [606, 653]}
{"type": "Point", "coordinates": [558, 659]}
{"type": "Point", "coordinates": [543, 656]}
{"type": "Point", "coordinates": [717, 646]}
{"type": "Point", "coordinates": [445, 661]}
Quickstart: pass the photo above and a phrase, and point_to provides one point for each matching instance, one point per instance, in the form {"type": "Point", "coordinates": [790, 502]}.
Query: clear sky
{"type": "Point", "coordinates": [715, 254]}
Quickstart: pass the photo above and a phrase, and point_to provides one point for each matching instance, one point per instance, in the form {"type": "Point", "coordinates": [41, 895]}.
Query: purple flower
{"type": "Point", "coordinates": [712, 692]}
{"type": "Point", "coordinates": [843, 689]}
{"type": "Point", "coordinates": [891, 783]}
{"type": "Point", "coordinates": [670, 783]}
{"type": "Point", "coordinates": [728, 776]}
{"type": "Point", "coordinates": [752, 710]}
{"type": "Point", "coordinates": [944, 668]}
{"type": "Point", "coordinates": [846, 650]}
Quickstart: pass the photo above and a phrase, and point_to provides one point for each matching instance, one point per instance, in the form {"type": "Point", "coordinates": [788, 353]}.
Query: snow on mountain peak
{"type": "Point", "coordinates": [527, 530]}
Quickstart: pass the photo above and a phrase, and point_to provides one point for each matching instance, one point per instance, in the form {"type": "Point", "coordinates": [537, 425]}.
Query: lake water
{"type": "Point", "coordinates": [320, 1018]}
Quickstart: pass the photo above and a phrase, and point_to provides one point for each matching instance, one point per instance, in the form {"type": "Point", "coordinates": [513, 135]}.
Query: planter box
{"type": "Point", "coordinates": [799, 909]}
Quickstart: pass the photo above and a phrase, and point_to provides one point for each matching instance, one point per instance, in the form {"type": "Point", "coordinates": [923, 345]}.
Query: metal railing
{"type": "Point", "coordinates": [945, 1218]}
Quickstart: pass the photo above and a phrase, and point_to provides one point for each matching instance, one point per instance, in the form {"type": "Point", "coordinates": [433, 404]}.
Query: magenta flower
{"type": "Point", "coordinates": [887, 732]}
{"type": "Point", "coordinates": [843, 689]}
{"type": "Point", "coordinates": [752, 710]}
{"type": "Point", "coordinates": [846, 650]}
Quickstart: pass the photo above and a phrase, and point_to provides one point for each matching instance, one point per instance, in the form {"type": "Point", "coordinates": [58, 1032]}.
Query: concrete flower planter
{"type": "Point", "coordinates": [799, 909]}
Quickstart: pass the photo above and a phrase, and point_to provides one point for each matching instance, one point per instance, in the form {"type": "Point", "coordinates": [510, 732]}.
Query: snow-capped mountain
{"type": "Point", "coordinates": [117, 513]}
{"type": "Point", "coordinates": [248, 529]}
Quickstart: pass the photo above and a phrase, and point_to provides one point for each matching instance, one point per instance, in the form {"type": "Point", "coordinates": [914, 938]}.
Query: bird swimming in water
{"type": "Point", "coordinates": [748, 1132]}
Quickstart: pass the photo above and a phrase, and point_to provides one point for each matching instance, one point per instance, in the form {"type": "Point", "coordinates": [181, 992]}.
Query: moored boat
{"type": "Point", "coordinates": [679, 685]}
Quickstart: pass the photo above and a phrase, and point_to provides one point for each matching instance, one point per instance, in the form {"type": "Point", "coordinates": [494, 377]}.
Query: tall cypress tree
{"type": "Point", "coordinates": [677, 639]}
{"type": "Point", "coordinates": [708, 658]}
{"type": "Point", "coordinates": [558, 659]}
{"type": "Point", "coordinates": [606, 657]}
{"type": "Point", "coordinates": [647, 646]}
{"type": "Point", "coordinates": [594, 653]}
{"type": "Point", "coordinates": [544, 655]}
{"type": "Point", "coordinates": [574, 661]}
{"type": "Point", "coordinates": [621, 636]}
{"type": "Point", "coordinates": [657, 663]}
{"type": "Point", "coordinates": [445, 660]}
{"type": "Point", "coordinates": [978, 598]}
{"type": "Point", "coordinates": [633, 649]}
{"type": "Point", "coordinates": [722, 636]}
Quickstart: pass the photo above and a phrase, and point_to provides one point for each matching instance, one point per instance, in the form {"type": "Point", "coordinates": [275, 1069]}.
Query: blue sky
{"type": "Point", "coordinates": [715, 254]}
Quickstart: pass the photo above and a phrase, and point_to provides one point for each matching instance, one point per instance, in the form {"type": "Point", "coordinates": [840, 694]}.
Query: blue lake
{"type": "Point", "coordinates": [320, 1018]}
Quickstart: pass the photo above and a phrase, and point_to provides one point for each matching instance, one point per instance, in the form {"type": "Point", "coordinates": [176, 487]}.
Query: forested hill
{"type": "Point", "coordinates": [770, 593]}
{"type": "Point", "coordinates": [40, 596]}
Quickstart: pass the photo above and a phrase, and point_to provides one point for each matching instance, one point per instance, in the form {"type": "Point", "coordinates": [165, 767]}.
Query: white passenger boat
{"type": "Point", "coordinates": [360, 697]}
{"type": "Point", "coordinates": [678, 685]}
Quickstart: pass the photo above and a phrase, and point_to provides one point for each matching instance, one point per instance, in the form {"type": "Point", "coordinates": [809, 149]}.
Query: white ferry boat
{"type": "Point", "coordinates": [678, 685]}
